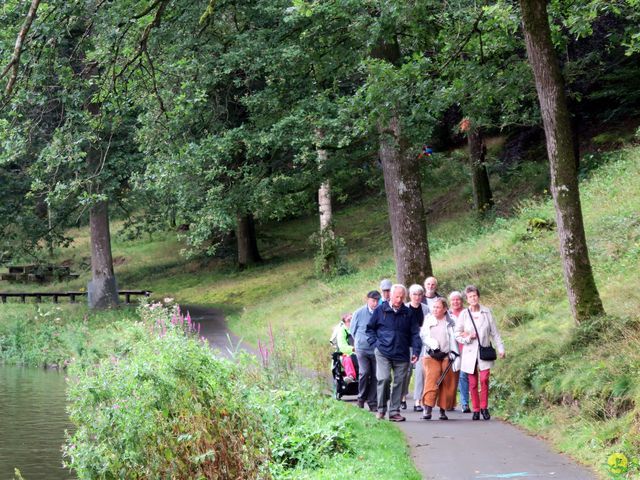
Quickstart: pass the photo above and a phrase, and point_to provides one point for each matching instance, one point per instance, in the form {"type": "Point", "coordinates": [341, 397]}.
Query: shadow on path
{"type": "Point", "coordinates": [456, 449]}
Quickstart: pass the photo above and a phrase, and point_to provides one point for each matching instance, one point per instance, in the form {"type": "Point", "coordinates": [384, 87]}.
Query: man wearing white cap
{"type": "Point", "coordinates": [385, 288]}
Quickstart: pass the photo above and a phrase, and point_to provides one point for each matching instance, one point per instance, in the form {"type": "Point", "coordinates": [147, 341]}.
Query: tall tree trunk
{"type": "Point", "coordinates": [247, 241]}
{"type": "Point", "coordinates": [402, 183]}
{"type": "Point", "coordinates": [403, 187]}
{"type": "Point", "coordinates": [102, 289]}
{"type": "Point", "coordinates": [580, 284]}
{"type": "Point", "coordinates": [324, 193]}
{"type": "Point", "coordinates": [482, 196]}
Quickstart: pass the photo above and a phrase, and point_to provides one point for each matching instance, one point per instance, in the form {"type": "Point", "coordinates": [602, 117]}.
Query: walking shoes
{"type": "Point", "coordinates": [476, 416]}
{"type": "Point", "coordinates": [417, 408]}
{"type": "Point", "coordinates": [443, 415]}
{"type": "Point", "coordinates": [427, 413]}
{"type": "Point", "coordinates": [396, 418]}
{"type": "Point", "coordinates": [380, 415]}
{"type": "Point", "coordinates": [485, 414]}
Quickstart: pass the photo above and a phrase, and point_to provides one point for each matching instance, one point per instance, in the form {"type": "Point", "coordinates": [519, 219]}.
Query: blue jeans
{"type": "Point", "coordinates": [463, 387]}
{"type": "Point", "coordinates": [419, 382]}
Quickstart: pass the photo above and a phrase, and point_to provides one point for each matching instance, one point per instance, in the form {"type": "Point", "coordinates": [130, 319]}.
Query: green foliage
{"type": "Point", "coordinates": [53, 336]}
{"type": "Point", "coordinates": [330, 259]}
{"type": "Point", "coordinates": [537, 224]}
{"type": "Point", "coordinates": [166, 408]}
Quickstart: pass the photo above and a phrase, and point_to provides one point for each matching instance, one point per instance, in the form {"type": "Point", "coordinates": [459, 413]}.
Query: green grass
{"type": "Point", "coordinates": [576, 386]}
{"type": "Point", "coordinates": [379, 452]}
{"type": "Point", "coordinates": [53, 335]}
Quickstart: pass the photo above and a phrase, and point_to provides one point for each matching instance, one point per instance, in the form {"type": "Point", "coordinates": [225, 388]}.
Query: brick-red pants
{"type": "Point", "coordinates": [479, 401]}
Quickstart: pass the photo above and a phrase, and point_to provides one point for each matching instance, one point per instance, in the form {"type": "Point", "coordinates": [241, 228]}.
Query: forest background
{"type": "Point", "coordinates": [221, 120]}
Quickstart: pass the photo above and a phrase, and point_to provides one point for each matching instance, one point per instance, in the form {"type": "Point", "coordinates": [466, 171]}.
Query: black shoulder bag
{"type": "Point", "coordinates": [486, 353]}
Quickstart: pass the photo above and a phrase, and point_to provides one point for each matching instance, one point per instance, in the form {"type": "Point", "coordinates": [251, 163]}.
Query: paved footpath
{"type": "Point", "coordinates": [495, 450]}
{"type": "Point", "coordinates": [439, 448]}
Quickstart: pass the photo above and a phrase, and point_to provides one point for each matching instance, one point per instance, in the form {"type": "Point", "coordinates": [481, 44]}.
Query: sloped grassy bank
{"type": "Point", "coordinates": [576, 385]}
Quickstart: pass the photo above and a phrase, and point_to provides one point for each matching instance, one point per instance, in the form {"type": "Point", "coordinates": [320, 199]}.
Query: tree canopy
{"type": "Point", "coordinates": [204, 113]}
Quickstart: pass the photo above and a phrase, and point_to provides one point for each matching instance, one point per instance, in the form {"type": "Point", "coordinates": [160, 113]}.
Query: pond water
{"type": "Point", "coordinates": [32, 423]}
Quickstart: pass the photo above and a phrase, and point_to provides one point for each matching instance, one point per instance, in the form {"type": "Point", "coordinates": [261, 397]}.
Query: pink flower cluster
{"type": "Point", "coordinates": [267, 349]}
{"type": "Point", "coordinates": [178, 320]}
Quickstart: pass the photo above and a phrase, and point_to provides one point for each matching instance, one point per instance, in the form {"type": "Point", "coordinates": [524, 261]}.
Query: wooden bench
{"type": "Point", "coordinates": [72, 295]}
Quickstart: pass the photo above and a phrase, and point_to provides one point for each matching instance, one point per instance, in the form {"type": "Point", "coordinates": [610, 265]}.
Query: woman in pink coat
{"type": "Point", "coordinates": [477, 370]}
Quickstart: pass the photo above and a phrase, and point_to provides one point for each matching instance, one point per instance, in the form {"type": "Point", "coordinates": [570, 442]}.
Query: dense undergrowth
{"type": "Point", "coordinates": [169, 408]}
{"type": "Point", "coordinates": [54, 336]}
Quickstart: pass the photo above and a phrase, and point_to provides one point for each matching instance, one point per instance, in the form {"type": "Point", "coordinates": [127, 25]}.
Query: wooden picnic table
{"type": "Point", "coordinates": [38, 273]}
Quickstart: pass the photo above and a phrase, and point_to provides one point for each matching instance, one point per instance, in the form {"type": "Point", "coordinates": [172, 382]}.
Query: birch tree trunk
{"type": "Point", "coordinates": [581, 287]}
{"type": "Point", "coordinates": [482, 196]}
{"type": "Point", "coordinates": [324, 193]}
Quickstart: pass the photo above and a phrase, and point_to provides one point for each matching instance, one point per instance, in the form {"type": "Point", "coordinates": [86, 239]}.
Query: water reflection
{"type": "Point", "coordinates": [32, 423]}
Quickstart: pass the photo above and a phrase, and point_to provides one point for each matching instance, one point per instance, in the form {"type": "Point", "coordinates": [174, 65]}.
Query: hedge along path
{"type": "Point", "coordinates": [444, 450]}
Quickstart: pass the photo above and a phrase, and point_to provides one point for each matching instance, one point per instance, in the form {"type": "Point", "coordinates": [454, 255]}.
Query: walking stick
{"type": "Point", "coordinates": [446, 370]}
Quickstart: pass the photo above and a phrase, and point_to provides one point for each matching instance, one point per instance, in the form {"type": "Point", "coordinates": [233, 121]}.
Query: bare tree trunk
{"type": "Point", "coordinates": [482, 196]}
{"type": "Point", "coordinates": [401, 171]}
{"type": "Point", "coordinates": [403, 186]}
{"type": "Point", "coordinates": [324, 202]}
{"type": "Point", "coordinates": [102, 289]}
{"type": "Point", "coordinates": [324, 193]}
{"type": "Point", "coordinates": [248, 253]}
{"type": "Point", "coordinates": [580, 284]}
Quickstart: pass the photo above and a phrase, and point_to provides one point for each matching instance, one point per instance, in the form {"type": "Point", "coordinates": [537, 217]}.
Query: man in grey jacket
{"type": "Point", "coordinates": [367, 381]}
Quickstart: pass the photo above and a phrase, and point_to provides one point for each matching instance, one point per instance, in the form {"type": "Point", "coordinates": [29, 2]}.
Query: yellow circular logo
{"type": "Point", "coordinates": [618, 463]}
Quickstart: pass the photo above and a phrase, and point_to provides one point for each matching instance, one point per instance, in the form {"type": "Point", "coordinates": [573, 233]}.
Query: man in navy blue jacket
{"type": "Point", "coordinates": [391, 331]}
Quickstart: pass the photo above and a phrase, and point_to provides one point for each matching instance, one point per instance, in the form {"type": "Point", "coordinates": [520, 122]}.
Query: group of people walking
{"type": "Point", "coordinates": [447, 345]}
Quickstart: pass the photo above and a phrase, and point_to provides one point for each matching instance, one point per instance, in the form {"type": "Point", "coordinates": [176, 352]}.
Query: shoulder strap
{"type": "Point", "coordinates": [474, 325]}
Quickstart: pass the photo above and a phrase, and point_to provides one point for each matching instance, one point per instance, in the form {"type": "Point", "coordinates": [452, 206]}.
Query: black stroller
{"type": "Point", "coordinates": [340, 386]}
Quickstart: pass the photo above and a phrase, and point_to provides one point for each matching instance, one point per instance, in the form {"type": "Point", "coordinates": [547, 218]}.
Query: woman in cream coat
{"type": "Point", "coordinates": [437, 333]}
{"type": "Point", "coordinates": [471, 362]}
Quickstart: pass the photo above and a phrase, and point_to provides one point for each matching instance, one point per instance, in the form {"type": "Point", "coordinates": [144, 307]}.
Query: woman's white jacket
{"type": "Point", "coordinates": [425, 336]}
{"type": "Point", "coordinates": [487, 331]}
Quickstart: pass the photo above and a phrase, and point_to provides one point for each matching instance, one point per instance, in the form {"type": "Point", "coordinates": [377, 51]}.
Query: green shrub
{"type": "Point", "coordinates": [330, 259]}
{"type": "Point", "coordinates": [52, 335]}
{"type": "Point", "coordinates": [167, 409]}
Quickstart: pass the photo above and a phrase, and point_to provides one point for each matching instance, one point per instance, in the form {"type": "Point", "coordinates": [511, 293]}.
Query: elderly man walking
{"type": "Point", "coordinates": [367, 383]}
{"type": "Point", "coordinates": [430, 291]}
{"type": "Point", "coordinates": [391, 331]}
